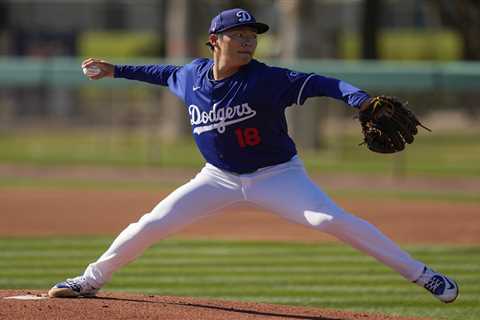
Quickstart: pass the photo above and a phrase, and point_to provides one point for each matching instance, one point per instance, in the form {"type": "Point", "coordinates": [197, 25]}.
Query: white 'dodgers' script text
{"type": "Point", "coordinates": [218, 119]}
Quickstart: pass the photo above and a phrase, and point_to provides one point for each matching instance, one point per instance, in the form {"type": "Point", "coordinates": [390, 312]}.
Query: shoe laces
{"type": "Point", "coordinates": [80, 284]}
{"type": "Point", "coordinates": [74, 284]}
{"type": "Point", "coordinates": [432, 281]}
{"type": "Point", "coordinates": [435, 284]}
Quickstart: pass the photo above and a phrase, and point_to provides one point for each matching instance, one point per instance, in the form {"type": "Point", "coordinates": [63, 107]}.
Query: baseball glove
{"type": "Point", "coordinates": [387, 124]}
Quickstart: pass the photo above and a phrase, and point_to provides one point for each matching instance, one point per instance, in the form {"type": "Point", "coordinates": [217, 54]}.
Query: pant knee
{"type": "Point", "coordinates": [331, 221]}
{"type": "Point", "coordinates": [347, 224]}
{"type": "Point", "coordinates": [145, 225]}
{"type": "Point", "coordinates": [159, 224]}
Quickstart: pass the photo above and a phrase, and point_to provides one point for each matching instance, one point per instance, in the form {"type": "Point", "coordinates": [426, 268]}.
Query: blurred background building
{"type": "Point", "coordinates": [421, 50]}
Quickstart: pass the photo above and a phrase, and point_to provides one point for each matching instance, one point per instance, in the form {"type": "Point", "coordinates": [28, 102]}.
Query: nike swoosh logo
{"type": "Point", "coordinates": [452, 286]}
{"type": "Point", "coordinates": [196, 88]}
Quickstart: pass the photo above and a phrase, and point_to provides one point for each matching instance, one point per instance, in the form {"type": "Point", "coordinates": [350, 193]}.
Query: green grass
{"type": "Point", "coordinates": [455, 154]}
{"type": "Point", "coordinates": [87, 184]}
{"type": "Point", "coordinates": [320, 275]}
{"type": "Point", "coordinates": [94, 147]}
{"type": "Point", "coordinates": [407, 44]}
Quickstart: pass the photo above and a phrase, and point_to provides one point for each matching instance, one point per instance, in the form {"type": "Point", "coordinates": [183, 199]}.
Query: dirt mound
{"type": "Point", "coordinates": [114, 306]}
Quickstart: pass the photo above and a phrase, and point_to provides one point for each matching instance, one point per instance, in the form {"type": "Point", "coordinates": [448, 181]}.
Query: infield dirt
{"type": "Point", "coordinates": [129, 306]}
{"type": "Point", "coordinates": [27, 212]}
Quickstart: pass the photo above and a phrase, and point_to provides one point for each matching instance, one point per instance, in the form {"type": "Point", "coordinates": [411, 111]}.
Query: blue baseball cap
{"type": "Point", "coordinates": [237, 17]}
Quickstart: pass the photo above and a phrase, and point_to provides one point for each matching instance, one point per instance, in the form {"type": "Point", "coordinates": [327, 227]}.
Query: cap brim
{"type": "Point", "coordinates": [260, 27]}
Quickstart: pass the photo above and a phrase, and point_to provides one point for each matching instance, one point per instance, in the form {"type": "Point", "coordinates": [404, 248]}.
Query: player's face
{"type": "Point", "coordinates": [238, 45]}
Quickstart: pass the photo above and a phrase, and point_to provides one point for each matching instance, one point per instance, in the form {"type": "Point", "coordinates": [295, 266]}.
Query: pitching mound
{"type": "Point", "coordinates": [31, 304]}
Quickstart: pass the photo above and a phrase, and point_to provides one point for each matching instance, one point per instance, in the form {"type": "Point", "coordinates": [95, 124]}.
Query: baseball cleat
{"type": "Point", "coordinates": [442, 287]}
{"type": "Point", "coordinates": [73, 288]}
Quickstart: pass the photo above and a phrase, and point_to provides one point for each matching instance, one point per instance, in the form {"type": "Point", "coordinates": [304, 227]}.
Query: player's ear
{"type": "Point", "coordinates": [213, 40]}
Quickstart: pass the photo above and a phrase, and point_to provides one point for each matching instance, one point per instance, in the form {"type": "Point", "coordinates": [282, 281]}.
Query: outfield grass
{"type": "Point", "coordinates": [433, 154]}
{"type": "Point", "coordinates": [324, 275]}
{"type": "Point", "coordinates": [454, 154]}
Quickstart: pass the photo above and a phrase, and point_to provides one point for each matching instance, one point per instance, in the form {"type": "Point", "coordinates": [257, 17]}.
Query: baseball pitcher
{"type": "Point", "coordinates": [237, 108]}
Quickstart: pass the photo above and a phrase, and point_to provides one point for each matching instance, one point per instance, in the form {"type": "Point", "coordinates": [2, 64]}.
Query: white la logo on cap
{"type": "Point", "coordinates": [243, 16]}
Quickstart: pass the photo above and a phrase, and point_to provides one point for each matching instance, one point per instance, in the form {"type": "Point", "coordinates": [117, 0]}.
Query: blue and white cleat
{"type": "Point", "coordinates": [442, 287]}
{"type": "Point", "coordinates": [73, 288]}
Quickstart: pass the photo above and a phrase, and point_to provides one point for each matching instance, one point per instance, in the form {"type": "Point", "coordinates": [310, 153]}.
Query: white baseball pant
{"type": "Point", "coordinates": [283, 189]}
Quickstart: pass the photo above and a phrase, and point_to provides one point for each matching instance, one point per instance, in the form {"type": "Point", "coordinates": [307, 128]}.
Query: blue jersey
{"type": "Point", "coordinates": [239, 122]}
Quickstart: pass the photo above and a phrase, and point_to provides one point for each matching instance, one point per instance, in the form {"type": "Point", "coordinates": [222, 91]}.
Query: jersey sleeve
{"type": "Point", "coordinates": [155, 74]}
{"type": "Point", "coordinates": [173, 77]}
{"type": "Point", "coordinates": [296, 87]}
{"type": "Point", "coordinates": [318, 86]}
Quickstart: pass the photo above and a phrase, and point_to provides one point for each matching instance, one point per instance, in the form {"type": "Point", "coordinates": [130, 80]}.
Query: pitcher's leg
{"type": "Point", "coordinates": [198, 198]}
{"type": "Point", "coordinates": [294, 196]}
{"type": "Point", "coordinates": [365, 237]}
